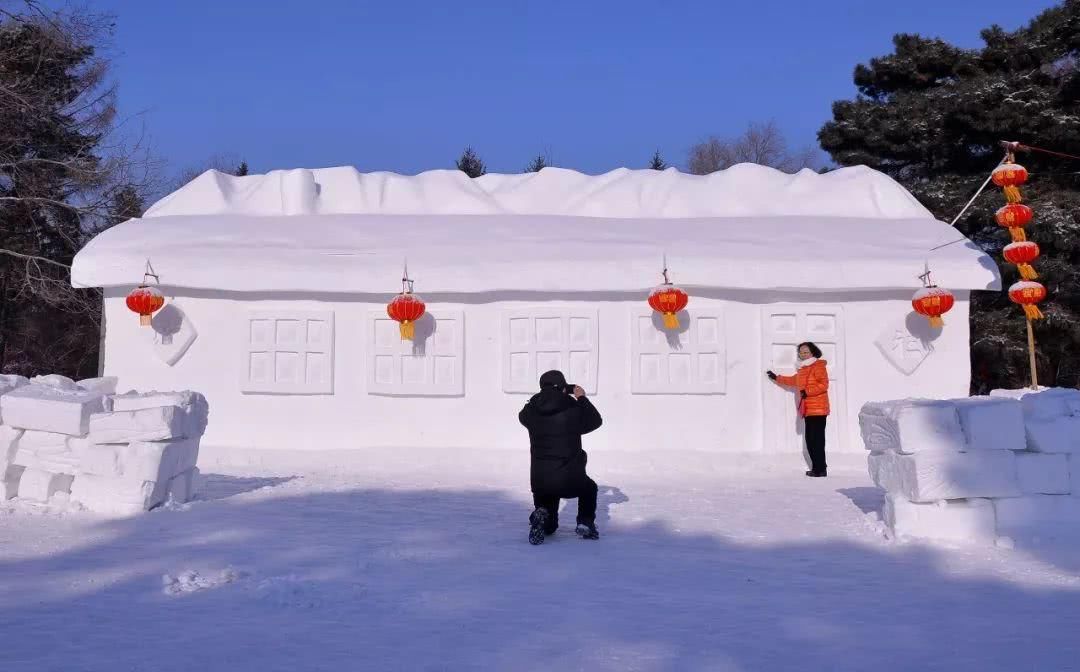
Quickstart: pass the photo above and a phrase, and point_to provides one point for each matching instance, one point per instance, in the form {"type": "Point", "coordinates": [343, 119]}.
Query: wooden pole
{"type": "Point", "coordinates": [1031, 355]}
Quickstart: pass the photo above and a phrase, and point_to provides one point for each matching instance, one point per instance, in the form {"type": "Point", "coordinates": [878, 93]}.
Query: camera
{"type": "Point", "coordinates": [569, 389]}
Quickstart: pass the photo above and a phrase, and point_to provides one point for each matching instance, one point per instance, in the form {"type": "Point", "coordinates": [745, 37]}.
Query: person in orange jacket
{"type": "Point", "coordinates": [811, 383]}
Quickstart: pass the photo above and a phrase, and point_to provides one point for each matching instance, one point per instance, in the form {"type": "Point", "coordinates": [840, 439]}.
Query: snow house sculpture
{"type": "Point", "coordinates": [276, 289]}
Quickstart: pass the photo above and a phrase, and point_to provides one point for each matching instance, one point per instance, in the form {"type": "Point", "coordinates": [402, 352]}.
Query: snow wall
{"type": "Point", "coordinates": [981, 470]}
{"type": "Point", "coordinates": [65, 442]}
{"type": "Point", "coordinates": [306, 371]}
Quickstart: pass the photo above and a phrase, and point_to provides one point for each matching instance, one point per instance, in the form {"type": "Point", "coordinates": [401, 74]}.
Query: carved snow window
{"type": "Point", "coordinates": [289, 352]}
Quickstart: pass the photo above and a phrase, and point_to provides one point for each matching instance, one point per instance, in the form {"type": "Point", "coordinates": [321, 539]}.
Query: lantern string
{"type": "Point", "coordinates": [1018, 147]}
{"type": "Point", "coordinates": [956, 219]}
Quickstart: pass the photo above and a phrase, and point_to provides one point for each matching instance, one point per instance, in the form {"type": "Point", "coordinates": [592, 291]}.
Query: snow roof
{"type": "Point", "coordinates": [745, 190]}
{"type": "Point", "coordinates": [337, 230]}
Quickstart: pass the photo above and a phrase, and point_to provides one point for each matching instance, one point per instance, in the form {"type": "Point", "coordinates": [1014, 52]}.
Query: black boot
{"type": "Point", "coordinates": [587, 531]}
{"type": "Point", "coordinates": [538, 522]}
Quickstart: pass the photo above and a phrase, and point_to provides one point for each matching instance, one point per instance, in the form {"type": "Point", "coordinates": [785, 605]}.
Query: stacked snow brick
{"type": "Point", "coordinates": [980, 469]}
{"type": "Point", "coordinates": [117, 454]}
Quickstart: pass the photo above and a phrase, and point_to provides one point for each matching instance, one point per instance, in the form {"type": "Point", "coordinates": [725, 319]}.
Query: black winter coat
{"type": "Point", "coordinates": [556, 423]}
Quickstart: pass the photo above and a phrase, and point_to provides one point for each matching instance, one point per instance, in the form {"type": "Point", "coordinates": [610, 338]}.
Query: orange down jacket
{"type": "Point", "coordinates": [815, 380]}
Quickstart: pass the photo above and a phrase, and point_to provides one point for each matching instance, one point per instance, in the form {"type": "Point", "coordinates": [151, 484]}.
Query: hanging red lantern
{"type": "Point", "coordinates": [406, 308]}
{"type": "Point", "coordinates": [668, 300]}
{"type": "Point", "coordinates": [1013, 214]}
{"type": "Point", "coordinates": [145, 301]}
{"type": "Point", "coordinates": [1009, 176]}
{"type": "Point", "coordinates": [1027, 294]}
{"type": "Point", "coordinates": [932, 302]}
{"type": "Point", "coordinates": [1022, 254]}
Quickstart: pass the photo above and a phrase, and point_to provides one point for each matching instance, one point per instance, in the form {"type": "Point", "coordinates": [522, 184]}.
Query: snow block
{"type": "Point", "coordinates": [1045, 403]}
{"type": "Point", "coordinates": [1038, 515]}
{"type": "Point", "coordinates": [182, 486]}
{"type": "Point", "coordinates": [105, 385]}
{"type": "Point", "coordinates": [9, 383]}
{"type": "Point", "coordinates": [48, 442]}
{"type": "Point", "coordinates": [63, 462]}
{"type": "Point", "coordinates": [1053, 435]}
{"type": "Point", "coordinates": [55, 381]}
{"type": "Point", "coordinates": [49, 409]}
{"type": "Point", "coordinates": [992, 423]}
{"type": "Point", "coordinates": [9, 481]}
{"type": "Point", "coordinates": [141, 460]}
{"type": "Point", "coordinates": [117, 496]}
{"type": "Point", "coordinates": [148, 424]}
{"type": "Point", "coordinates": [9, 444]}
{"type": "Point", "coordinates": [911, 426]}
{"type": "Point", "coordinates": [1042, 473]}
{"type": "Point", "coordinates": [193, 403]}
{"type": "Point", "coordinates": [961, 520]}
{"type": "Point", "coordinates": [936, 475]}
{"type": "Point", "coordinates": [39, 485]}
{"type": "Point", "coordinates": [46, 451]}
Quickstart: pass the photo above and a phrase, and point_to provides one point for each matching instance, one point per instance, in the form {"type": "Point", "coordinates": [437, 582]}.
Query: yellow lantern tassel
{"type": "Point", "coordinates": [1032, 311]}
{"type": "Point", "coordinates": [936, 322]}
{"type": "Point", "coordinates": [1018, 234]}
{"type": "Point", "coordinates": [408, 330]}
{"type": "Point", "coordinates": [145, 320]}
{"type": "Point", "coordinates": [671, 321]}
{"type": "Point", "coordinates": [1012, 194]}
{"type": "Point", "coordinates": [1027, 272]}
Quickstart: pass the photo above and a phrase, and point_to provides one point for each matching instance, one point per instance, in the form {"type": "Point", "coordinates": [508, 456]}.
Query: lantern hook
{"type": "Point", "coordinates": [149, 273]}
{"type": "Point", "coordinates": [406, 281]}
{"type": "Point", "coordinates": [925, 277]}
{"type": "Point", "coordinates": [665, 271]}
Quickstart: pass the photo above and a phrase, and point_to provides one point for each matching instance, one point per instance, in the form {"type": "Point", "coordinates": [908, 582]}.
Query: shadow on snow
{"type": "Point", "coordinates": [445, 580]}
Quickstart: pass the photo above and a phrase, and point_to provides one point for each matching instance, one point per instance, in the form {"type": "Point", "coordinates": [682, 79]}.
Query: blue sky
{"type": "Point", "coordinates": [404, 86]}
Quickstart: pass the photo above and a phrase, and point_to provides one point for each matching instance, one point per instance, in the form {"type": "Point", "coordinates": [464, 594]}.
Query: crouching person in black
{"type": "Point", "coordinates": [556, 418]}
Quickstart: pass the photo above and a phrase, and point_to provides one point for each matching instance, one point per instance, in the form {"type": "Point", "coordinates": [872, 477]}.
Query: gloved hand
{"type": "Point", "coordinates": [771, 375]}
{"type": "Point", "coordinates": [803, 393]}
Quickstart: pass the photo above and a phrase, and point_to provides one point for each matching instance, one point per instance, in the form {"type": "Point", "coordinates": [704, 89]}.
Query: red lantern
{"type": "Point", "coordinates": [668, 300]}
{"type": "Point", "coordinates": [932, 302]}
{"type": "Point", "coordinates": [406, 308]}
{"type": "Point", "coordinates": [1009, 176]}
{"type": "Point", "coordinates": [1013, 215]}
{"type": "Point", "coordinates": [145, 301]}
{"type": "Point", "coordinates": [1022, 254]}
{"type": "Point", "coordinates": [1027, 294]}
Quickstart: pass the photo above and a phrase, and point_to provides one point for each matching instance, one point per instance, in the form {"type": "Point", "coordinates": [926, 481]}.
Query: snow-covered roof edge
{"type": "Point", "coordinates": [471, 254]}
{"type": "Point", "coordinates": [744, 190]}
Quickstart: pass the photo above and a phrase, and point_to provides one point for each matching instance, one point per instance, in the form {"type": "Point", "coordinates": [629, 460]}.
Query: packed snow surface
{"type": "Point", "coordinates": [418, 560]}
{"type": "Point", "coordinates": [744, 190]}
{"type": "Point", "coordinates": [337, 230]}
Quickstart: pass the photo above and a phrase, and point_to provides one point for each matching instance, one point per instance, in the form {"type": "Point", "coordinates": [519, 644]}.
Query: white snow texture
{"type": "Point", "coordinates": [58, 441]}
{"type": "Point", "coordinates": [1015, 450]}
{"type": "Point", "coordinates": [338, 230]}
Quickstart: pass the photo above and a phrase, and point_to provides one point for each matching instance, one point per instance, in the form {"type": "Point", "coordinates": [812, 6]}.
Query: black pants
{"type": "Point", "coordinates": [586, 504]}
{"type": "Point", "coordinates": [815, 442]}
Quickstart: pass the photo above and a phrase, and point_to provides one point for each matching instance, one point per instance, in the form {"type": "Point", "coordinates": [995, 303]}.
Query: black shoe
{"type": "Point", "coordinates": [538, 520]}
{"type": "Point", "coordinates": [587, 531]}
{"type": "Point", "coordinates": [817, 474]}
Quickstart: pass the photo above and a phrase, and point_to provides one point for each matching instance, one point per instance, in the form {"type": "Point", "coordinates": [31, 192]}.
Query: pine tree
{"type": "Point", "coordinates": [241, 170]}
{"type": "Point", "coordinates": [60, 183]}
{"type": "Point", "coordinates": [931, 114]}
{"type": "Point", "coordinates": [537, 164]}
{"type": "Point", "coordinates": [470, 163]}
{"type": "Point", "coordinates": [127, 203]}
{"type": "Point", "coordinates": [657, 162]}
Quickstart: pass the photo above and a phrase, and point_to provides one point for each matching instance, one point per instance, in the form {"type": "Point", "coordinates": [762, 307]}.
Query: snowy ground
{"type": "Point", "coordinates": [426, 567]}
